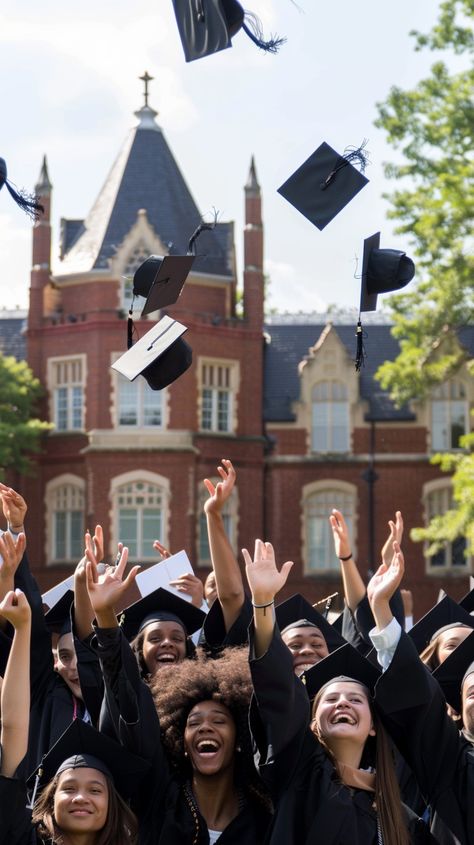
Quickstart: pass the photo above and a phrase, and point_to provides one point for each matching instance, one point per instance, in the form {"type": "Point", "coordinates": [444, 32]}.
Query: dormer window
{"type": "Point", "coordinates": [330, 417]}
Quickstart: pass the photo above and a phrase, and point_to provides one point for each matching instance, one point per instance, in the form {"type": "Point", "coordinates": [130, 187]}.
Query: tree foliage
{"type": "Point", "coordinates": [432, 126]}
{"type": "Point", "coordinates": [20, 430]}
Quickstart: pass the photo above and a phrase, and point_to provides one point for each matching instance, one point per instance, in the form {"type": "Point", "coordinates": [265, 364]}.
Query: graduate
{"type": "Point", "coordinates": [320, 768]}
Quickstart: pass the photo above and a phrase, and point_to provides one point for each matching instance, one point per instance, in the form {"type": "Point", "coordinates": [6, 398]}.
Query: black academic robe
{"type": "Point", "coordinates": [16, 827]}
{"type": "Point", "coordinates": [312, 806]}
{"type": "Point", "coordinates": [214, 635]}
{"type": "Point", "coordinates": [414, 710]}
{"type": "Point", "coordinates": [165, 813]}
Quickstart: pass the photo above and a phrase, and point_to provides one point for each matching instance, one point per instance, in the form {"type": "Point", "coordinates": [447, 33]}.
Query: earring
{"type": "Point", "coordinates": [238, 748]}
{"type": "Point", "coordinates": [186, 754]}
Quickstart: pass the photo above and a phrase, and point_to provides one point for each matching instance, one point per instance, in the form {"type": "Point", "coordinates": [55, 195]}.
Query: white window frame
{"type": "Point", "coordinates": [145, 554]}
{"type": "Point", "coordinates": [210, 378]}
{"type": "Point", "coordinates": [338, 493]}
{"type": "Point", "coordinates": [442, 489]}
{"type": "Point", "coordinates": [142, 391]}
{"type": "Point", "coordinates": [444, 400]}
{"type": "Point", "coordinates": [329, 425]}
{"type": "Point", "coordinates": [55, 384]}
{"type": "Point", "coordinates": [66, 480]}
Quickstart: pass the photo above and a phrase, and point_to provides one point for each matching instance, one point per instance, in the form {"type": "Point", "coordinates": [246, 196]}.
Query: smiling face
{"type": "Point", "coordinates": [468, 703]}
{"type": "Point", "coordinates": [449, 640]}
{"type": "Point", "coordinates": [81, 801]}
{"type": "Point", "coordinates": [343, 714]}
{"type": "Point", "coordinates": [307, 645]}
{"type": "Point", "coordinates": [163, 643]}
{"type": "Point", "coordinates": [209, 737]}
{"type": "Point", "coordinates": [66, 664]}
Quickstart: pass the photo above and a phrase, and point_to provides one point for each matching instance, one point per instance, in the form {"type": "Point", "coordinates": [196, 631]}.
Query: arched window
{"type": "Point", "coordinates": [330, 417]}
{"type": "Point", "coordinates": [449, 415]}
{"type": "Point", "coordinates": [141, 506]}
{"type": "Point", "coordinates": [319, 542]}
{"type": "Point", "coordinates": [66, 516]}
{"type": "Point", "coordinates": [451, 556]}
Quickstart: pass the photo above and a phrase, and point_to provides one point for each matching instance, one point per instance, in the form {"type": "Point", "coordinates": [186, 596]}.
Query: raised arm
{"type": "Point", "coordinates": [354, 587]}
{"type": "Point", "coordinates": [229, 584]}
{"type": "Point", "coordinates": [265, 581]}
{"type": "Point", "coordinates": [83, 610]}
{"type": "Point", "coordinates": [16, 684]}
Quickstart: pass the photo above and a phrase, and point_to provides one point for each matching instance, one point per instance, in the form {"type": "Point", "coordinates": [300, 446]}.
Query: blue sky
{"type": "Point", "coordinates": [70, 89]}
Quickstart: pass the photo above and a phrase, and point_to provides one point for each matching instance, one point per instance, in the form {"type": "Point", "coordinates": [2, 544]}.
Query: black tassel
{"type": "Point", "coordinates": [130, 328]}
{"type": "Point", "coordinates": [27, 202]}
{"type": "Point", "coordinates": [203, 227]}
{"type": "Point", "coordinates": [360, 351]}
{"type": "Point", "coordinates": [352, 155]}
{"type": "Point", "coordinates": [253, 28]}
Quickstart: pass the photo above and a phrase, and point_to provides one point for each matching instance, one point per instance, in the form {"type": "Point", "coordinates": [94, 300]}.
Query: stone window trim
{"type": "Point", "coordinates": [337, 397]}
{"type": "Point", "coordinates": [65, 480]}
{"type": "Point", "coordinates": [114, 404]}
{"type": "Point", "coordinates": [54, 379]}
{"type": "Point", "coordinates": [441, 487]}
{"type": "Point", "coordinates": [311, 489]}
{"type": "Point", "coordinates": [231, 511]}
{"type": "Point", "coordinates": [232, 366]}
{"type": "Point", "coordinates": [446, 398]}
{"type": "Point", "coordinates": [146, 477]}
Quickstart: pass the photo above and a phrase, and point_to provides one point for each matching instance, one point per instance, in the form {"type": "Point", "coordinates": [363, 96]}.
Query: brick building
{"type": "Point", "coordinates": [281, 399]}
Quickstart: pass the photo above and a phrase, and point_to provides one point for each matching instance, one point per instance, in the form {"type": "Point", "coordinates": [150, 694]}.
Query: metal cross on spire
{"type": "Point", "coordinates": [146, 79]}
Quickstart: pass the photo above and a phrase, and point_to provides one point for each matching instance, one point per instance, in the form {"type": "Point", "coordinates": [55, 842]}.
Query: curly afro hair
{"type": "Point", "coordinates": [177, 689]}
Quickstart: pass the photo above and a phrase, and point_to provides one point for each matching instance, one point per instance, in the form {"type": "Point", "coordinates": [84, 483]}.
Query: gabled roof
{"type": "Point", "coordinates": [146, 176]}
{"type": "Point", "coordinates": [288, 344]}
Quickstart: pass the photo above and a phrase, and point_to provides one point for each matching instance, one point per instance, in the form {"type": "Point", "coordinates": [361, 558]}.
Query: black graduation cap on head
{"type": "Point", "coordinates": [446, 612]}
{"type": "Point", "coordinates": [160, 356]}
{"type": "Point", "coordinates": [343, 664]}
{"type": "Point", "coordinates": [296, 609]}
{"type": "Point", "coordinates": [29, 203]}
{"type": "Point", "coordinates": [450, 673]}
{"type": "Point", "coordinates": [82, 746]}
{"type": "Point", "coordinates": [161, 605]}
{"type": "Point", "coordinates": [58, 617]}
{"type": "Point", "coordinates": [325, 183]}
{"type": "Point", "coordinates": [207, 26]}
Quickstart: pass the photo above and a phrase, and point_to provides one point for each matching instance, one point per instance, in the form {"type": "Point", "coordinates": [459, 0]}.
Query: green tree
{"type": "Point", "coordinates": [432, 126]}
{"type": "Point", "coordinates": [20, 430]}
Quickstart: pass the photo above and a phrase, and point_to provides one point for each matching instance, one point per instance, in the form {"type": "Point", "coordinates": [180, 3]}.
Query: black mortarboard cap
{"type": "Point", "coordinates": [450, 673]}
{"type": "Point", "coordinates": [160, 356]}
{"type": "Point", "coordinates": [345, 662]}
{"type": "Point", "coordinates": [446, 612]}
{"type": "Point", "coordinates": [207, 26]}
{"type": "Point", "coordinates": [81, 746]}
{"type": "Point", "coordinates": [324, 184]}
{"type": "Point", "coordinates": [296, 609]}
{"type": "Point", "coordinates": [161, 604]}
{"type": "Point", "coordinates": [58, 617]}
{"type": "Point", "coordinates": [383, 271]}
{"type": "Point", "coordinates": [161, 280]}
{"type": "Point", "coordinates": [27, 202]}
{"type": "Point", "coordinates": [467, 601]}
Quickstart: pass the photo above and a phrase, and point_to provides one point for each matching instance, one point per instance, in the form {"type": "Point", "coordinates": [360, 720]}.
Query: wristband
{"type": "Point", "coordinates": [346, 558]}
{"type": "Point", "coordinates": [263, 606]}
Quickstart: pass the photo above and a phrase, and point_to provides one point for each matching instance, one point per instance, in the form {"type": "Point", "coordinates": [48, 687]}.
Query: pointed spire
{"type": "Point", "coordinates": [43, 184]}
{"type": "Point", "coordinates": [252, 181]}
{"type": "Point", "coordinates": [146, 115]}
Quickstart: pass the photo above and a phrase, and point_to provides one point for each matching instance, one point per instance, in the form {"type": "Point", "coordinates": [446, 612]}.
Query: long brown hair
{"type": "Point", "coordinates": [378, 754]}
{"type": "Point", "coordinates": [429, 655]}
{"type": "Point", "coordinates": [121, 826]}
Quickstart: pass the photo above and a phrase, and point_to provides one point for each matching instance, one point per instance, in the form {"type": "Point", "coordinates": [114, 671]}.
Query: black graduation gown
{"type": "Point", "coordinates": [214, 635]}
{"type": "Point", "coordinates": [16, 827]}
{"type": "Point", "coordinates": [165, 814]}
{"type": "Point", "coordinates": [414, 710]}
{"type": "Point", "coordinates": [311, 804]}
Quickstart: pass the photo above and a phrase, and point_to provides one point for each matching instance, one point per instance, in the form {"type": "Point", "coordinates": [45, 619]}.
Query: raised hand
{"type": "Point", "coordinates": [11, 553]}
{"type": "Point", "coordinates": [14, 508]}
{"type": "Point", "coordinates": [164, 552]}
{"type": "Point", "coordinates": [382, 586]}
{"type": "Point", "coordinates": [192, 586]}
{"type": "Point", "coordinates": [263, 577]}
{"type": "Point", "coordinates": [16, 610]}
{"type": "Point", "coordinates": [340, 533]}
{"type": "Point", "coordinates": [106, 592]}
{"type": "Point", "coordinates": [395, 536]}
{"type": "Point", "coordinates": [219, 493]}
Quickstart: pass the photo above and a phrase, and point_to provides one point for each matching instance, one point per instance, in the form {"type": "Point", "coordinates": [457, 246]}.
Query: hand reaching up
{"type": "Point", "coordinates": [382, 586]}
{"type": "Point", "coordinates": [219, 493]}
{"type": "Point", "coordinates": [14, 508]}
{"type": "Point", "coordinates": [106, 592]}
{"type": "Point", "coordinates": [264, 579]}
{"type": "Point", "coordinates": [395, 536]}
{"type": "Point", "coordinates": [16, 610]}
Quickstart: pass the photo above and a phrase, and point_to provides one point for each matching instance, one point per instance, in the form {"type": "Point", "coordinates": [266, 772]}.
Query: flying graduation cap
{"type": "Point", "coordinates": [325, 183]}
{"type": "Point", "coordinates": [29, 203]}
{"type": "Point", "coordinates": [208, 26]}
{"type": "Point", "coordinates": [383, 271]}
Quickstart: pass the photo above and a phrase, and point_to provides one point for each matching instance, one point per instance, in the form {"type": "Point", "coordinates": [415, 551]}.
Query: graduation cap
{"type": "Point", "coordinates": [29, 203]}
{"type": "Point", "coordinates": [295, 611]}
{"type": "Point", "coordinates": [446, 613]}
{"type": "Point", "coordinates": [383, 271]}
{"type": "Point", "coordinates": [467, 601]}
{"type": "Point", "coordinates": [451, 672]}
{"type": "Point", "coordinates": [325, 183]}
{"type": "Point", "coordinates": [208, 26]}
{"type": "Point", "coordinates": [58, 617]}
{"type": "Point", "coordinates": [161, 280]}
{"type": "Point", "coordinates": [161, 606]}
{"type": "Point", "coordinates": [82, 746]}
{"type": "Point", "coordinates": [160, 356]}
{"type": "Point", "coordinates": [343, 664]}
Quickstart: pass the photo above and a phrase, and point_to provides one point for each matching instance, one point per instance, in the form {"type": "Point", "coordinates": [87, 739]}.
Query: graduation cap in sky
{"type": "Point", "coordinates": [325, 183]}
{"type": "Point", "coordinates": [160, 356]}
{"type": "Point", "coordinates": [208, 26]}
{"type": "Point", "coordinates": [296, 612]}
{"type": "Point", "coordinates": [343, 664]}
{"type": "Point", "coordinates": [29, 203]}
{"type": "Point", "coordinates": [161, 279]}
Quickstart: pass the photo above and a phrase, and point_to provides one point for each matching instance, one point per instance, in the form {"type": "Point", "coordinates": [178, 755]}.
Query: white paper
{"type": "Point", "coordinates": [162, 573]}
{"type": "Point", "coordinates": [55, 593]}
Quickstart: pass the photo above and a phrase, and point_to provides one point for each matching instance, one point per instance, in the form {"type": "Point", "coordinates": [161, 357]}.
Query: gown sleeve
{"type": "Point", "coordinates": [16, 827]}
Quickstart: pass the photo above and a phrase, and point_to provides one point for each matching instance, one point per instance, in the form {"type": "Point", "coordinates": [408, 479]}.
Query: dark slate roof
{"type": "Point", "coordinates": [290, 343]}
{"type": "Point", "coordinates": [146, 176]}
{"type": "Point", "coordinates": [12, 337]}
{"type": "Point", "coordinates": [70, 231]}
